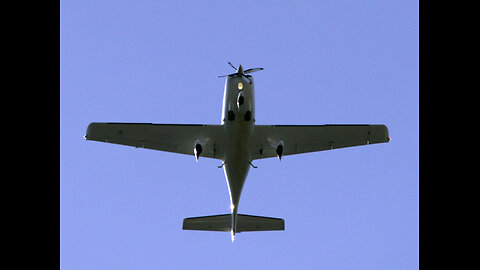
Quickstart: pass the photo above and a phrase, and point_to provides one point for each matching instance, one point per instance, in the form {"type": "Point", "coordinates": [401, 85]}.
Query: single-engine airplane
{"type": "Point", "coordinates": [237, 142]}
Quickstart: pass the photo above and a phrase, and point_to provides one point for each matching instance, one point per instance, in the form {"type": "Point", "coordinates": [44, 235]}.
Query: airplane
{"type": "Point", "coordinates": [236, 142]}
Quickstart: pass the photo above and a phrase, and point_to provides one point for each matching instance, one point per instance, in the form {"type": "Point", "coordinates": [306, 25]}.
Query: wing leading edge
{"type": "Point", "coordinates": [164, 137]}
{"type": "Point", "coordinates": [297, 139]}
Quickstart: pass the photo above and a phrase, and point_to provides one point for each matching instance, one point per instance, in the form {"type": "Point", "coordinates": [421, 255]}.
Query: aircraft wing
{"type": "Point", "coordinates": [297, 139]}
{"type": "Point", "coordinates": [164, 137]}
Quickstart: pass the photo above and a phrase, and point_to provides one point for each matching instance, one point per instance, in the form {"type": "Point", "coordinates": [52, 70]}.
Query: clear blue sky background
{"type": "Point", "coordinates": [326, 62]}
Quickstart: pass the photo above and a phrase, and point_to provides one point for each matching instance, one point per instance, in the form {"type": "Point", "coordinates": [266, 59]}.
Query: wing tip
{"type": "Point", "coordinates": [88, 133]}
{"type": "Point", "coordinates": [381, 132]}
{"type": "Point", "coordinates": [386, 133]}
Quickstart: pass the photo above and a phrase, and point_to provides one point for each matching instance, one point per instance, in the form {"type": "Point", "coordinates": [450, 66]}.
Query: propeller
{"type": "Point", "coordinates": [241, 72]}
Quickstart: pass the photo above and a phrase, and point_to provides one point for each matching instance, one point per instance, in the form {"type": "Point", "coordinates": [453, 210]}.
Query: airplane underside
{"type": "Point", "coordinates": [236, 143]}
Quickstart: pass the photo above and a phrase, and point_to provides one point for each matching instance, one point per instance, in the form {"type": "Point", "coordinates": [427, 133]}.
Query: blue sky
{"type": "Point", "coordinates": [326, 62]}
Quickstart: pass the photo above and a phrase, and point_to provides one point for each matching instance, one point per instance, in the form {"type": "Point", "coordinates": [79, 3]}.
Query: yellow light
{"type": "Point", "coordinates": [240, 86]}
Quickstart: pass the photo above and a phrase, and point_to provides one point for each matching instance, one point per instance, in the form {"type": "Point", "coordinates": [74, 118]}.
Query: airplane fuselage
{"type": "Point", "coordinates": [238, 119]}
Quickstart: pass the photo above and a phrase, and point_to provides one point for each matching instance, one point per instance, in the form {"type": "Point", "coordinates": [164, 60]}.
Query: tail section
{"type": "Point", "coordinates": [224, 223]}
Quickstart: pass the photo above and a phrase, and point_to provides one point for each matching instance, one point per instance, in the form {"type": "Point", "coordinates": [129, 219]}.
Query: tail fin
{"type": "Point", "coordinates": [223, 223]}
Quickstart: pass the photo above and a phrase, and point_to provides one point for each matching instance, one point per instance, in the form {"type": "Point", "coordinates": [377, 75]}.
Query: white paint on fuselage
{"type": "Point", "coordinates": [238, 133]}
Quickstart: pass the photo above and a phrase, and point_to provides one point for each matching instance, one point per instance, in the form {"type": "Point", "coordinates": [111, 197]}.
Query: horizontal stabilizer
{"type": "Point", "coordinates": [245, 223]}
{"type": "Point", "coordinates": [220, 223]}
